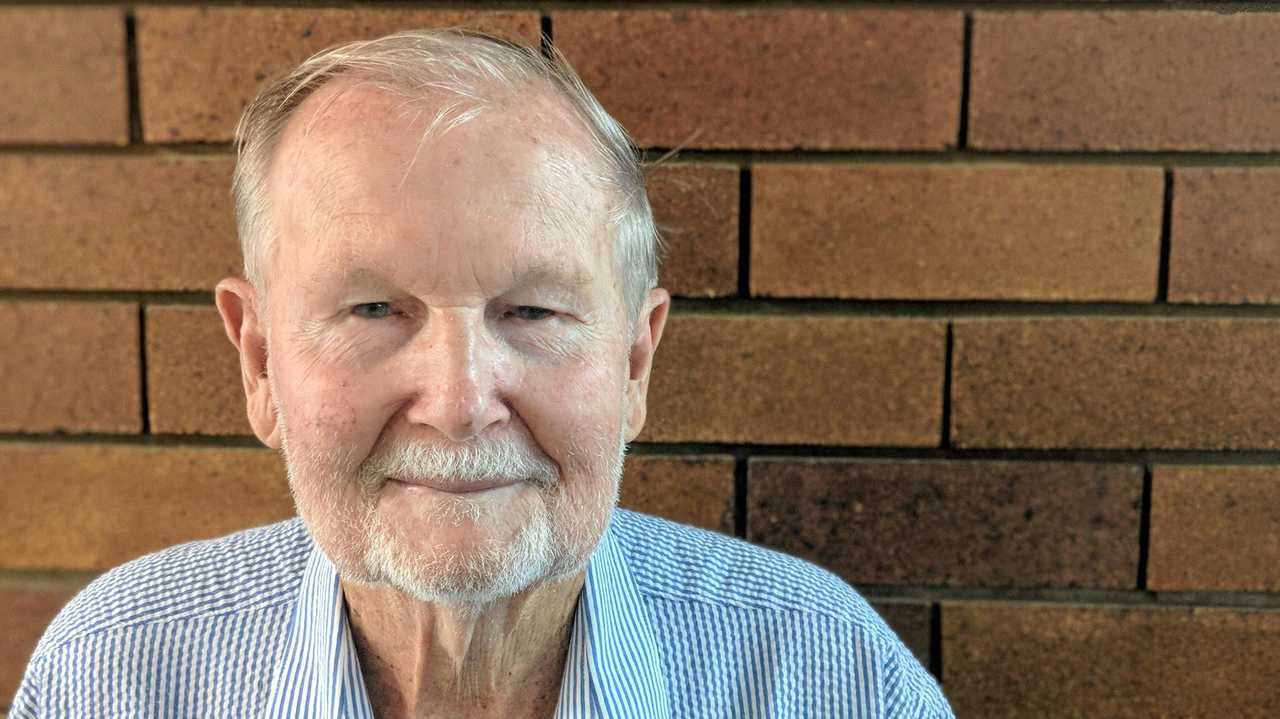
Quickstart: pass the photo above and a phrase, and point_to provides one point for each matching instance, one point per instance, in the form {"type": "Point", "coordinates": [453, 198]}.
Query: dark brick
{"type": "Point", "coordinates": [24, 614]}
{"type": "Point", "coordinates": [199, 67]}
{"type": "Point", "coordinates": [62, 76]}
{"type": "Point", "coordinates": [193, 374]}
{"type": "Point", "coordinates": [1115, 383]}
{"type": "Point", "coordinates": [956, 232]}
{"type": "Point", "coordinates": [690, 490]}
{"type": "Point", "coordinates": [797, 380]}
{"type": "Point", "coordinates": [696, 207]}
{"type": "Point", "coordinates": [1214, 529]}
{"type": "Point", "coordinates": [772, 80]}
{"type": "Point", "coordinates": [1223, 246]}
{"type": "Point", "coordinates": [69, 367]}
{"type": "Point", "coordinates": [1068, 80]}
{"type": "Point", "coordinates": [991, 524]}
{"type": "Point", "coordinates": [93, 506]}
{"type": "Point", "coordinates": [912, 622]}
{"type": "Point", "coordinates": [116, 223]}
{"type": "Point", "coordinates": [1027, 660]}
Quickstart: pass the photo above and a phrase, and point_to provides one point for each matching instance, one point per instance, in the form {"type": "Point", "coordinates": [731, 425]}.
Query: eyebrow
{"type": "Point", "coordinates": [572, 275]}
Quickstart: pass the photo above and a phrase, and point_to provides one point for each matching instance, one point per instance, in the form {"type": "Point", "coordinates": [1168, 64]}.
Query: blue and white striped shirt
{"type": "Point", "coordinates": [673, 622]}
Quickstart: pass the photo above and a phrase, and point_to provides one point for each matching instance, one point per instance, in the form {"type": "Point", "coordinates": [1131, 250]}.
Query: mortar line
{"type": "Point", "coordinates": [744, 233]}
{"type": "Point", "coordinates": [1144, 528]}
{"type": "Point", "coordinates": [1118, 6]}
{"type": "Point", "coordinates": [547, 36]}
{"type": "Point", "coordinates": [1084, 598]}
{"type": "Point", "coordinates": [742, 157]}
{"type": "Point", "coordinates": [741, 462]}
{"type": "Point", "coordinates": [131, 69]}
{"type": "Point", "coordinates": [947, 360]}
{"type": "Point", "coordinates": [962, 142]}
{"type": "Point", "coordinates": [144, 399]}
{"type": "Point", "coordinates": [1166, 239]}
{"type": "Point", "coordinates": [935, 640]}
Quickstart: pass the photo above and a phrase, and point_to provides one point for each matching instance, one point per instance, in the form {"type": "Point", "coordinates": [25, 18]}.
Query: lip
{"type": "Point", "coordinates": [441, 484]}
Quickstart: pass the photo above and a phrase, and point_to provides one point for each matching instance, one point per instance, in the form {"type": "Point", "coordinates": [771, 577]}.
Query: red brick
{"type": "Point", "coordinates": [696, 207]}
{"type": "Point", "coordinates": [193, 374]}
{"type": "Point", "coordinates": [116, 223]}
{"type": "Point", "coordinates": [24, 614]}
{"type": "Point", "coordinates": [63, 76]}
{"type": "Point", "coordinates": [797, 380]}
{"type": "Point", "coordinates": [689, 490]}
{"type": "Point", "coordinates": [1159, 80]}
{"type": "Point", "coordinates": [1224, 246]}
{"type": "Point", "coordinates": [1026, 660]}
{"type": "Point", "coordinates": [69, 367]}
{"type": "Point", "coordinates": [956, 232]}
{"type": "Point", "coordinates": [912, 622]}
{"type": "Point", "coordinates": [130, 500]}
{"type": "Point", "coordinates": [991, 524]}
{"type": "Point", "coordinates": [1214, 529]}
{"type": "Point", "coordinates": [773, 80]}
{"type": "Point", "coordinates": [199, 67]}
{"type": "Point", "coordinates": [1115, 383]}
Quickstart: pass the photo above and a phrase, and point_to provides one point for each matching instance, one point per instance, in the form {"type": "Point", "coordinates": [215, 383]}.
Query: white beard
{"type": "Point", "coordinates": [554, 543]}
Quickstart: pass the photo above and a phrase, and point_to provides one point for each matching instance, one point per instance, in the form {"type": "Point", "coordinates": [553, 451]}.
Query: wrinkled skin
{"type": "Point", "coordinates": [441, 293]}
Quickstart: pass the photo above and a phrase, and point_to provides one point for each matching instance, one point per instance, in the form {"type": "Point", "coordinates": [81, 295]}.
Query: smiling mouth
{"type": "Point", "coordinates": [451, 486]}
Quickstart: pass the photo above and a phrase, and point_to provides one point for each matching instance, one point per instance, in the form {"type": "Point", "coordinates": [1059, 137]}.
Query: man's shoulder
{"type": "Point", "coordinates": [245, 571]}
{"type": "Point", "coordinates": [676, 562]}
{"type": "Point", "coordinates": [720, 603]}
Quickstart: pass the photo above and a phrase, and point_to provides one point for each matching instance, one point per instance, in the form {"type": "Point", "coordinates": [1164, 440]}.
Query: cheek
{"type": "Point", "coordinates": [326, 413]}
{"type": "Point", "coordinates": [574, 411]}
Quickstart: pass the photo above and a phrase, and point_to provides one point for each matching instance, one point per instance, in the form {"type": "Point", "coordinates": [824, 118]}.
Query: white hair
{"type": "Point", "coordinates": [472, 71]}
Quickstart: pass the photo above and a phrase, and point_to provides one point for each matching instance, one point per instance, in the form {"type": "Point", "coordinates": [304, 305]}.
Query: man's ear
{"type": "Point", "coordinates": [653, 318]}
{"type": "Point", "coordinates": [238, 304]}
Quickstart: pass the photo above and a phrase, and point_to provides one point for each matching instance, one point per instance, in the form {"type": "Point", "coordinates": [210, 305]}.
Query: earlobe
{"type": "Point", "coordinates": [237, 302]}
{"type": "Point", "coordinates": [652, 322]}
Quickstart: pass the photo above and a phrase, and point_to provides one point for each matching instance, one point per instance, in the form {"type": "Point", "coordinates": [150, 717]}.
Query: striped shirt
{"type": "Point", "coordinates": [672, 622]}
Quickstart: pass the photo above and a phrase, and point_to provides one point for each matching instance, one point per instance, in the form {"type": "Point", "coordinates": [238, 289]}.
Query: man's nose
{"type": "Point", "coordinates": [457, 366]}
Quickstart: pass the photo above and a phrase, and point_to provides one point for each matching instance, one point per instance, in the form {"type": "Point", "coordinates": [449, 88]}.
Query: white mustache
{"type": "Point", "coordinates": [479, 460]}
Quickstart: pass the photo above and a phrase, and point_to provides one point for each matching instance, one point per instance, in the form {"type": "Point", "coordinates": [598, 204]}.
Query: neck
{"type": "Point", "coordinates": [503, 659]}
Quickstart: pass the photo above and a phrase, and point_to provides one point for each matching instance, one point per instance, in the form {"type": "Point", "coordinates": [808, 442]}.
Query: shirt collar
{"type": "Point", "coordinates": [613, 670]}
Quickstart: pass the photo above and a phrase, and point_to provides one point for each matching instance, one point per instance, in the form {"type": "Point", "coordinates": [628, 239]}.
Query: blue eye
{"type": "Point", "coordinates": [373, 310]}
{"type": "Point", "coordinates": [532, 314]}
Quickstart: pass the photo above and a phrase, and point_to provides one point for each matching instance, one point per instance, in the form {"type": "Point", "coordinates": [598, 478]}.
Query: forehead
{"type": "Point", "coordinates": [356, 165]}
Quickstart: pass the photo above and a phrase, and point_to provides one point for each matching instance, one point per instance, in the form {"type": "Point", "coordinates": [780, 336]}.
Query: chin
{"type": "Point", "coordinates": [467, 563]}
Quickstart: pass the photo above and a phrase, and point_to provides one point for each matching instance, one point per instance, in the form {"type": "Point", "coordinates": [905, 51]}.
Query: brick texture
{"type": "Point", "coordinates": [199, 67]}
{"type": "Point", "coordinates": [69, 367]}
{"type": "Point", "coordinates": [1214, 529]}
{"type": "Point", "coordinates": [24, 613]}
{"type": "Point", "coordinates": [193, 374]}
{"type": "Point", "coordinates": [956, 232]}
{"type": "Point", "coordinates": [827, 142]}
{"type": "Point", "coordinates": [1125, 80]}
{"type": "Point", "coordinates": [116, 223]}
{"type": "Point", "coordinates": [1224, 246]}
{"type": "Point", "coordinates": [696, 208]}
{"type": "Point", "coordinates": [63, 76]}
{"type": "Point", "coordinates": [797, 380]}
{"type": "Point", "coordinates": [90, 506]}
{"type": "Point", "coordinates": [1115, 383]}
{"type": "Point", "coordinates": [1007, 660]}
{"type": "Point", "coordinates": [772, 80]}
{"type": "Point", "coordinates": [912, 622]}
{"type": "Point", "coordinates": [689, 490]}
{"type": "Point", "coordinates": [1026, 524]}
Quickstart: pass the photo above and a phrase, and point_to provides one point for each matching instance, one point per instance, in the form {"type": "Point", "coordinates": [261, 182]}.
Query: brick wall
{"type": "Point", "coordinates": [977, 308]}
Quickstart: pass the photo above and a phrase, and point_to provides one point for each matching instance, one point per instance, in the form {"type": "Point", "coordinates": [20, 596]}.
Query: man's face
{"type": "Point", "coordinates": [448, 349]}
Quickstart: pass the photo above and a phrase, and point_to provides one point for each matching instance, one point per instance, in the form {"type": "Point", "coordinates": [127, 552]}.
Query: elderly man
{"type": "Point", "coordinates": [449, 317]}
